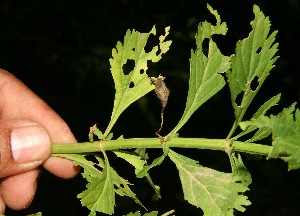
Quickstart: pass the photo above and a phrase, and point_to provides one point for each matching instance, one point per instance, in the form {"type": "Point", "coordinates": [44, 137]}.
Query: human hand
{"type": "Point", "coordinates": [28, 127]}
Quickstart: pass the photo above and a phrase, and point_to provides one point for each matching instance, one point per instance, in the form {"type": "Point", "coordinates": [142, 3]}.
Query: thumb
{"type": "Point", "coordinates": [24, 145]}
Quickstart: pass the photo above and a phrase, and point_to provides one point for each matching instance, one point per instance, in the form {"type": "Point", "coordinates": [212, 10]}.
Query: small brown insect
{"type": "Point", "coordinates": [162, 93]}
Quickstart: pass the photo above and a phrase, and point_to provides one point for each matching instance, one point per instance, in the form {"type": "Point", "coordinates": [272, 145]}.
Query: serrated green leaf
{"type": "Point", "coordinates": [205, 78]}
{"type": "Point", "coordinates": [36, 214]}
{"type": "Point", "coordinates": [130, 87]}
{"type": "Point", "coordinates": [285, 133]}
{"type": "Point", "coordinates": [263, 121]}
{"type": "Point", "coordinates": [93, 174]}
{"type": "Point", "coordinates": [142, 153]}
{"type": "Point", "coordinates": [254, 58]}
{"type": "Point", "coordinates": [240, 171]}
{"type": "Point", "coordinates": [99, 134]}
{"type": "Point", "coordinates": [216, 193]}
{"type": "Point", "coordinates": [154, 163]}
{"type": "Point", "coordinates": [134, 214]}
{"type": "Point", "coordinates": [122, 188]}
{"type": "Point", "coordinates": [90, 171]}
{"type": "Point", "coordinates": [273, 101]}
{"type": "Point", "coordinates": [260, 134]}
{"type": "Point", "coordinates": [153, 213]}
{"type": "Point", "coordinates": [263, 132]}
{"type": "Point", "coordinates": [100, 194]}
{"type": "Point", "coordinates": [131, 157]}
{"type": "Point", "coordinates": [109, 136]}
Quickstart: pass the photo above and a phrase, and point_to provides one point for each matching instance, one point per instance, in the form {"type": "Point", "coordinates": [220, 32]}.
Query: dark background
{"type": "Point", "coordinates": [60, 49]}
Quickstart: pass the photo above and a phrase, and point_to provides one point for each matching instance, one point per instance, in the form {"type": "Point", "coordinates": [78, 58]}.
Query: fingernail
{"type": "Point", "coordinates": [30, 143]}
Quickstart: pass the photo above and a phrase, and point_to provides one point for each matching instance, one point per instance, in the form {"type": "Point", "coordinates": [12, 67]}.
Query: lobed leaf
{"type": "Point", "coordinates": [205, 78]}
{"type": "Point", "coordinates": [156, 162]}
{"type": "Point", "coordinates": [254, 58]}
{"type": "Point", "coordinates": [131, 157]}
{"type": "Point", "coordinates": [285, 129]}
{"type": "Point", "coordinates": [122, 188]}
{"type": "Point", "coordinates": [130, 87]}
{"type": "Point", "coordinates": [102, 184]}
{"type": "Point", "coordinates": [262, 132]}
{"type": "Point", "coordinates": [216, 193]}
{"type": "Point", "coordinates": [240, 172]}
{"type": "Point", "coordinates": [100, 193]}
{"type": "Point", "coordinates": [142, 173]}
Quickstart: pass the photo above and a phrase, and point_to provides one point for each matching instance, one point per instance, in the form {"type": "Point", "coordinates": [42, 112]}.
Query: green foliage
{"type": "Point", "coordinates": [205, 78]}
{"type": "Point", "coordinates": [263, 132]}
{"type": "Point", "coordinates": [240, 171]}
{"type": "Point", "coordinates": [36, 214]}
{"type": "Point", "coordinates": [154, 213]}
{"type": "Point", "coordinates": [135, 160]}
{"type": "Point", "coordinates": [103, 183]}
{"type": "Point", "coordinates": [285, 129]}
{"type": "Point", "coordinates": [155, 162]}
{"type": "Point", "coordinates": [99, 195]}
{"type": "Point", "coordinates": [254, 58]}
{"type": "Point", "coordinates": [132, 86]}
{"type": "Point", "coordinates": [215, 192]}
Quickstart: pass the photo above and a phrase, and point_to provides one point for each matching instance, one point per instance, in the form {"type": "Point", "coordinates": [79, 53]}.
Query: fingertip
{"type": "Point", "coordinates": [18, 191]}
{"type": "Point", "coordinates": [61, 167]}
{"type": "Point", "coordinates": [30, 143]}
{"type": "Point", "coordinates": [24, 146]}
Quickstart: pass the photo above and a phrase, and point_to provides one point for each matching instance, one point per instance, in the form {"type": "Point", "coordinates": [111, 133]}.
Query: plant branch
{"type": "Point", "coordinates": [199, 143]}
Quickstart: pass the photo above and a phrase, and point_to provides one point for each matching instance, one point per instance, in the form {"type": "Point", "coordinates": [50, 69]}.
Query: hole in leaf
{"type": "Point", "coordinates": [91, 158]}
{"type": "Point", "coordinates": [239, 98]}
{"type": "Point", "coordinates": [205, 46]}
{"type": "Point", "coordinates": [222, 45]}
{"type": "Point", "coordinates": [131, 84]}
{"type": "Point", "coordinates": [142, 71]}
{"type": "Point", "coordinates": [258, 50]}
{"type": "Point", "coordinates": [223, 75]}
{"type": "Point", "coordinates": [151, 42]}
{"type": "Point", "coordinates": [254, 83]}
{"type": "Point", "coordinates": [98, 167]}
{"type": "Point", "coordinates": [128, 67]}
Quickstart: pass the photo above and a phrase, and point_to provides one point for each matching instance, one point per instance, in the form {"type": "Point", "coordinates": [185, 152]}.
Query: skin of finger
{"type": "Point", "coordinates": [18, 191]}
{"type": "Point", "coordinates": [8, 166]}
{"type": "Point", "coordinates": [19, 102]}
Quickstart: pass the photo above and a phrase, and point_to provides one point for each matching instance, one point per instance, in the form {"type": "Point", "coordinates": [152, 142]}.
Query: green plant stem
{"type": "Point", "coordinates": [232, 130]}
{"type": "Point", "coordinates": [198, 143]}
{"type": "Point", "coordinates": [236, 123]}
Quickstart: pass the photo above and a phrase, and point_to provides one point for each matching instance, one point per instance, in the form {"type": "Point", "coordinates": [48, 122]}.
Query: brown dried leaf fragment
{"type": "Point", "coordinates": [91, 132]}
{"type": "Point", "coordinates": [162, 93]}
